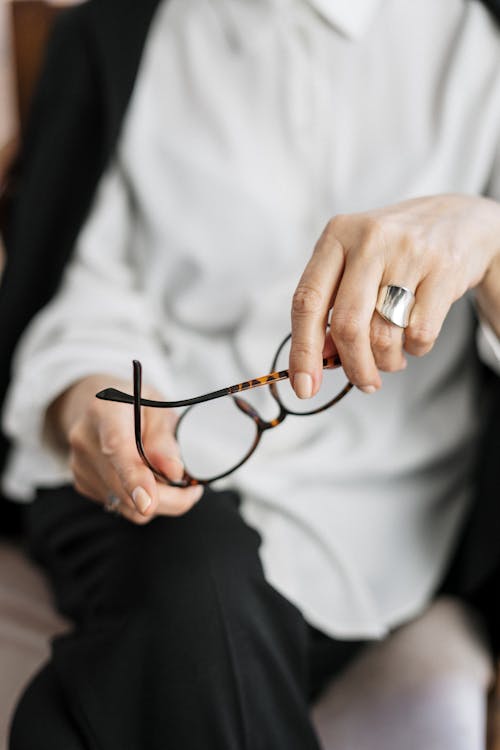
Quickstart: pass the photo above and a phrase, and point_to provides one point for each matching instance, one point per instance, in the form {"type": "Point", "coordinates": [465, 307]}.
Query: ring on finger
{"type": "Point", "coordinates": [112, 504]}
{"type": "Point", "coordinates": [395, 303]}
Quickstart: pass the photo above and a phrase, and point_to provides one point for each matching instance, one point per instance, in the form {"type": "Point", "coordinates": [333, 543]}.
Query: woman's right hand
{"type": "Point", "coordinates": [99, 436]}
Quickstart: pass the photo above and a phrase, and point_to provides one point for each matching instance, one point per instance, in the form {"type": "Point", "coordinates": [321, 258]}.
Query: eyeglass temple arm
{"type": "Point", "coordinates": [112, 394]}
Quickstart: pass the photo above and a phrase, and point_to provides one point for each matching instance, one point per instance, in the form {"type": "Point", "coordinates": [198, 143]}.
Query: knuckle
{"type": "Point", "coordinates": [306, 300]}
{"type": "Point", "coordinates": [448, 261]}
{"type": "Point", "coordinates": [366, 252]}
{"type": "Point", "coordinates": [332, 225]}
{"type": "Point", "coordinates": [301, 351]}
{"type": "Point", "coordinates": [346, 327]}
{"type": "Point", "coordinates": [357, 375]}
{"type": "Point", "coordinates": [374, 230]}
{"type": "Point", "coordinates": [82, 487]}
{"type": "Point", "coordinates": [77, 438]}
{"type": "Point", "coordinates": [95, 409]}
{"type": "Point", "coordinates": [335, 226]}
{"type": "Point", "coordinates": [421, 335]}
{"type": "Point", "coordinates": [382, 340]}
{"type": "Point", "coordinates": [129, 479]}
{"type": "Point", "coordinates": [111, 442]}
{"type": "Point", "coordinates": [412, 252]}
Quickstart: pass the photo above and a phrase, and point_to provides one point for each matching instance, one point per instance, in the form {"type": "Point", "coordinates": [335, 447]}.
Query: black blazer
{"type": "Point", "coordinates": [88, 77]}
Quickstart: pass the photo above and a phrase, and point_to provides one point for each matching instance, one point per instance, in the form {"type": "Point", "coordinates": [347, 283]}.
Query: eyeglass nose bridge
{"type": "Point", "coordinates": [262, 424]}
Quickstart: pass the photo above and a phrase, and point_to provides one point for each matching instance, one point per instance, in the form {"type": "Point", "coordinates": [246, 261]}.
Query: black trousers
{"type": "Point", "coordinates": [179, 641]}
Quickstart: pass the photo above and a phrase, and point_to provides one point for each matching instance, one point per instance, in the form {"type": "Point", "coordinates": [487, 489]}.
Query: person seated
{"type": "Point", "coordinates": [239, 572]}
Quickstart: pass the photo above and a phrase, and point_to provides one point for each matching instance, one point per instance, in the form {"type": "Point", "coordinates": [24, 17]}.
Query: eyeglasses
{"type": "Point", "coordinates": [243, 424]}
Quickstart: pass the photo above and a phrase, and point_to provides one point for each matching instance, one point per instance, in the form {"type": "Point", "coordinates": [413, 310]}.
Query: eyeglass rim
{"type": "Point", "coordinates": [188, 479]}
{"type": "Point", "coordinates": [259, 431]}
{"type": "Point", "coordinates": [261, 425]}
{"type": "Point", "coordinates": [273, 387]}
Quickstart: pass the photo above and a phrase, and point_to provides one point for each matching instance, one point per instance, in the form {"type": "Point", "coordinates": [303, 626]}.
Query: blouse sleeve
{"type": "Point", "coordinates": [488, 343]}
{"type": "Point", "coordinates": [97, 322]}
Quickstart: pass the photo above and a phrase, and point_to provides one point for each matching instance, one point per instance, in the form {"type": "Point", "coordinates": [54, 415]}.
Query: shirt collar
{"type": "Point", "coordinates": [350, 17]}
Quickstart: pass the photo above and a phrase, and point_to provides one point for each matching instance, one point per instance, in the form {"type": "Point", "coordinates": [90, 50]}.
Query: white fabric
{"type": "Point", "coordinates": [351, 18]}
{"type": "Point", "coordinates": [251, 124]}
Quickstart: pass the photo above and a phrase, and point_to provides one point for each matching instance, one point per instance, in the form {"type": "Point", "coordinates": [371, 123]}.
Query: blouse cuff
{"type": "Point", "coordinates": [488, 346]}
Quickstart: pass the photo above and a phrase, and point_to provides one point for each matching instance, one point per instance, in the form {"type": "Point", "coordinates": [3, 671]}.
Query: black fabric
{"type": "Point", "coordinates": [11, 520]}
{"type": "Point", "coordinates": [179, 641]}
{"type": "Point", "coordinates": [84, 92]}
{"type": "Point", "coordinates": [474, 572]}
{"type": "Point", "coordinates": [85, 86]}
{"type": "Point", "coordinates": [44, 722]}
{"type": "Point", "coordinates": [494, 7]}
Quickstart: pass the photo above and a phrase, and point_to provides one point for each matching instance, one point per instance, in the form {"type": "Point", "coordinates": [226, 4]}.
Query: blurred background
{"type": "Point", "coordinates": [24, 26]}
{"type": "Point", "coordinates": [27, 618]}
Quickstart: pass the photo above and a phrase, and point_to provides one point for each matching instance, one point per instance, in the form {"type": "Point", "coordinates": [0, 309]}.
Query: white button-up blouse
{"type": "Point", "coordinates": [252, 123]}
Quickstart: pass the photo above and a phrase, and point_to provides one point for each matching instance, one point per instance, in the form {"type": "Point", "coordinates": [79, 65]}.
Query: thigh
{"type": "Point", "coordinates": [100, 563]}
{"type": "Point", "coordinates": [177, 633]}
{"type": "Point", "coordinates": [50, 726]}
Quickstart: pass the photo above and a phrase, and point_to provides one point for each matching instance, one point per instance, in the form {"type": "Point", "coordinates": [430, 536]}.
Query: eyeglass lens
{"type": "Point", "coordinates": [217, 436]}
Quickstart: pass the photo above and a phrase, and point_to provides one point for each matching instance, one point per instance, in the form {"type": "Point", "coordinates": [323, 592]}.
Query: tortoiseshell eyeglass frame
{"type": "Point", "coordinates": [112, 394]}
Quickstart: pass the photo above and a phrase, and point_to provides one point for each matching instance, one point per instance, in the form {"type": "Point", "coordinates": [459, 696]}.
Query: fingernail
{"type": "Point", "coordinates": [141, 499]}
{"type": "Point", "coordinates": [303, 384]}
{"type": "Point", "coordinates": [367, 388]}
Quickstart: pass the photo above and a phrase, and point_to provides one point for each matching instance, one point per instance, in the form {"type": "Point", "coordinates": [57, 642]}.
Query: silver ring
{"type": "Point", "coordinates": [395, 304]}
{"type": "Point", "coordinates": [112, 504]}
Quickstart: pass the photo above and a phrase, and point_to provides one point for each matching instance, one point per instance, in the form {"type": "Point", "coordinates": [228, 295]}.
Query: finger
{"type": "Point", "coordinates": [173, 501]}
{"type": "Point", "coordinates": [84, 485]}
{"type": "Point", "coordinates": [121, 467]}
{"type": "Point", "coordinates": [133, 516]}
{"type": "Point", "coordinates": [387, 344]}
{"type": "Point", "coordinates": [169, 501]}
{"type": "Point", "coordinates": [161, 446]}
{"type": "Point", "coordinates": [433, 299]}
{"type": "Point", "coordinates": [329, 348]}
{"type": "Point", "coordinates": [95, 478]}
{"type": "Point", "coordinates": [97, 492]}
{"type": "Point", "coordinates": [351, 318]}
{"type": "Point", "coordinates": [310, 307]}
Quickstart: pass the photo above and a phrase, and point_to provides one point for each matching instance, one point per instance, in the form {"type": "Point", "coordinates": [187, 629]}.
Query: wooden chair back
{"type": "Point", "coordinates": [31, 24]}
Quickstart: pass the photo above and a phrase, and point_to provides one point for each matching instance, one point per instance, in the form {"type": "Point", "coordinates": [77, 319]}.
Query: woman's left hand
{"type": "Point", "coordinates": [439, 247]}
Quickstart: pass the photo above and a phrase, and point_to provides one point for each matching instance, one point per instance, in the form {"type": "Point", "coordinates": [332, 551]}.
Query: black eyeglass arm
{"type": "Point", "coordinates": [112, 394]}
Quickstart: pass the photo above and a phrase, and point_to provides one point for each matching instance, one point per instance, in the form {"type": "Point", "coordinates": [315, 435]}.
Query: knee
{"type": "Point", "coordinates": [445, 673]}
{"type": "Point", "coordinates": [445, 711]}
{"type": "Point", "coordinates": [180, 575]}
{"type": "Point", "coordinates": [448, 643]}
